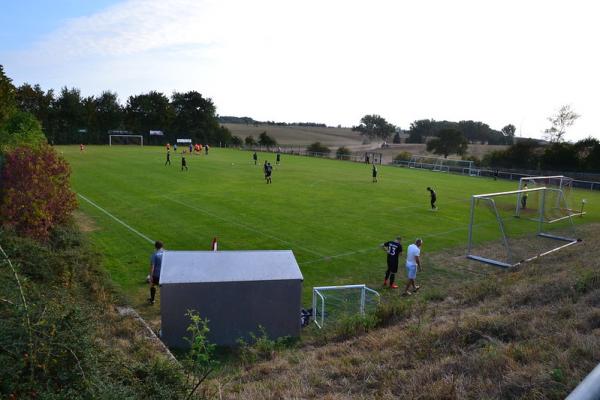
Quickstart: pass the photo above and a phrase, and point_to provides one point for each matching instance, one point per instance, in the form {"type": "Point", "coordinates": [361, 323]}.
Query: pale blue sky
{"type": "Point", "coordinates": [330, 61]}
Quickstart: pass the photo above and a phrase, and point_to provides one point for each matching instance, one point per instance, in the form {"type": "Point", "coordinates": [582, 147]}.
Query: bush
{"type": "Point", "coordinates": [249, 141]}
{"type": "Point", "coordinates": [403, 156]}
{"type": "Point", "coordinates": [266, 140]}
{"type": "Point", "coordinates": [318, 149]}
{"type": "Point", "coordinates": [21, 129]}
{"type": "Point", "coordinates": [343, 153]}
{"type": "Point", "coordinates": [54, 337]}
{"type": "Point", "coordinates": [236, 141]}
{"type": "Point", "coordinates": [260, 347]}
{"type": "Point", "coordinates": [36, 194]}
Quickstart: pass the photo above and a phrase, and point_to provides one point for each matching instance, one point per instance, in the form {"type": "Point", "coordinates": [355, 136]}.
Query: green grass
{"type": "Point", "coordinates": [328, 212]}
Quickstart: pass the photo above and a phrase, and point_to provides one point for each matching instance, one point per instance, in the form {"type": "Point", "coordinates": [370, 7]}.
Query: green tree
{"type": "Point", "coordinates": [21, 129]}
{"type": "Point", "coordinates": [419, 130]}
{"type": "Point", "coordinates": [563, 119]}
{"type": "Point", "coordinates": [249, 141]}
{"type": "Point", "coordinates": [109, 115]}
{"type": "Point", "coordinates": [236, 141]}
{"type": "Point", "coordinates": [509, 131]}
{"type": "Point", "coordinates": [449, 141]}
{"type": "Point", "coordinates": [343, 153]}
{"type": "Point", "coordinates": [7, 97]}
{"type": "Point", "coordinates": [317, 148]}
{"type": "Point", "coordinates": [266, 140]}
{"type": "Point", "coordinates": [560, 156]}
{"type": "Point", "coordinates": [196, 116]}
{"type": "Point", "coordinates": [374, 127]}
{"type": "Point", "coordinates": [68, 117]}
{"type": "Point", "coordinates": [34, 100]}
{"type": "Point", "coordinates": [150, 111]}
{"type": "Point", "coordinates": [588, 153]}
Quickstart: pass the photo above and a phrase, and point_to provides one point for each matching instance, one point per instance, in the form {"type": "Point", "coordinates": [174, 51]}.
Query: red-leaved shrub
{"type": "Point", "coordinates": [36, 194]}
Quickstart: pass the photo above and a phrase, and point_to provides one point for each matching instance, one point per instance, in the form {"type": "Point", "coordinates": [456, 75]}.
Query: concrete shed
{"type": "Point", "coordinates": [236, 290]}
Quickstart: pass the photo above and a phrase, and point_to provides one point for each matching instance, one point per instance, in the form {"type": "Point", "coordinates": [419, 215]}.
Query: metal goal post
{"type": "Point", "coordinates": [536, 226]}
{"type": "Point", "coordinates": [110, 138]}
{"type": "Point", "coordinates": [332, 302]}
{"type": "Point", "coordinates": [560, 182]}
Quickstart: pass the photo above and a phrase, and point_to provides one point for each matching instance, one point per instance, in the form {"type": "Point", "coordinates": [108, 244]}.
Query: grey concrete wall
{"type": "Point", "coordinates": [234, 309]}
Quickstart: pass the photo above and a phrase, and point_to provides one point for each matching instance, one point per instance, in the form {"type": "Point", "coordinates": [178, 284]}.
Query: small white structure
{"type": "Point", "coordinates": [237, 291]}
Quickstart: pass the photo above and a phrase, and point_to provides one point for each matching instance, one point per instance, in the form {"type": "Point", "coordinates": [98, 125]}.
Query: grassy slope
{"type": "Point", "coordinates": [328, 212]}
{"type": "Point", "coordinates": [299, 135]}
{"type": "Point", "coordinates": [533, 333]}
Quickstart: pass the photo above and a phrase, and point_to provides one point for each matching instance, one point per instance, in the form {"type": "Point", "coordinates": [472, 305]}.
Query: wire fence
{"type": "Point", "coordinates": [501, 174]}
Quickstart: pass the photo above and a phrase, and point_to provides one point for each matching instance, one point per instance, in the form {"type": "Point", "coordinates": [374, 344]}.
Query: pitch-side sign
{"type": "Point", "coordinates": [184, 140]}
{"type": "Point", "coordinates": [156, 133]}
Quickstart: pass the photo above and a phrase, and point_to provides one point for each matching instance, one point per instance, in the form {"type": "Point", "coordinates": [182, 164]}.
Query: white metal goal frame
{"type": "Point", "coordinates": [560, 182]}
{"type": "Point", "coordinates": [441, 164]}
{"type": "Point", "coordinates": [489, 197]}
{"type": "Point", "coordinates": [319, 299]}
{"type": "Point", "coordinates": [110, 137]}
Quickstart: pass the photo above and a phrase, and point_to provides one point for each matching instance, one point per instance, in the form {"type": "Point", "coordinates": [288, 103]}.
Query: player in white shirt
{"type": "Point", "coordinates": [413, 263]}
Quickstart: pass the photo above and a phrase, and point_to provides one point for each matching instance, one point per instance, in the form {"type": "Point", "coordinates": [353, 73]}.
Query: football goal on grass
{"type": "Point", "coordinates": [557, 210]}
{"type": "Point", "coordinates": [498, 237]}
{"type": "Point", "coordinates": [440, 164]}
{"type": "Point", "coordinates": [332, 303]}
{"type": "Point", "coordinates": [125, 139]}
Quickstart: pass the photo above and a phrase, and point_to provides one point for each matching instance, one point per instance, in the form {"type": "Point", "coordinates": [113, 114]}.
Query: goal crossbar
{"type": "Point", "coordinates": [127, 136]}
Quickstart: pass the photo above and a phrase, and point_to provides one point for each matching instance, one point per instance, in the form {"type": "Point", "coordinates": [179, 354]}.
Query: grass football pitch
{"type": "Point", "coordinates": [328, 212]}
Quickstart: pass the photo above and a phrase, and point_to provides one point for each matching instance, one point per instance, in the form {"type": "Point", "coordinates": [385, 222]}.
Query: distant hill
{"type": "Point", "coordinates": [299, 135]}
{"type": "Point", "coordinates": [251, 121]}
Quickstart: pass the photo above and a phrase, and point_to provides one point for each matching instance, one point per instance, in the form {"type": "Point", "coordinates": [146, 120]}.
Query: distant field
{"type": "Point", "coordinates": [336, 137]}
{"type": "Point", "coordinates": [328, 212]}
{"type": "Point", "coordinates": [299, 135]}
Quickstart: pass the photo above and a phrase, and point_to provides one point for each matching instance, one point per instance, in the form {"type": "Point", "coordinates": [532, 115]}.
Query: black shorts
{"type": "Point", "coordinates": [393, 265]}
{"type": "Point", "coordinates": [155, 280]}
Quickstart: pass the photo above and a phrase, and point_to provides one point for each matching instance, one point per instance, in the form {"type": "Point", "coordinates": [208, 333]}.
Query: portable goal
{"type": "Point", "coordinates": [332, 303]}
{"type": "Point", "coordinates": [498, 237]}
{"type": "Point", "coordinates": [560, 182]}
{"type": "Point", "coordinates": [440, 164]}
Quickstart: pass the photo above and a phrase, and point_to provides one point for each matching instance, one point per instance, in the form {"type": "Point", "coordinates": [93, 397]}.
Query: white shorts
{"type": "Point", "coordinates": [411, 271]}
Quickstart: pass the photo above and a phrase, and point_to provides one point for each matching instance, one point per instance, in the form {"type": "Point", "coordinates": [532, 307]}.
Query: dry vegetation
{"type": "Point", "coordinates": [337, 137]}
{"type": "Point", "coordinates": [299, 135]}
{"type": "Point", "coordinates": [530, 333]}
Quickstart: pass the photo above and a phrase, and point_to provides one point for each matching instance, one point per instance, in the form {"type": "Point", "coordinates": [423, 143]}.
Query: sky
{"type": "Point", "coordinates": [327, 61]}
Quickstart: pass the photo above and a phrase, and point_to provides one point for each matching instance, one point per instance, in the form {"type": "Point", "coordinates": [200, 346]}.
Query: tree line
{"type": "Point", "coordinates": [68, 117]}
{"type": "Point", "coordinates": [374, 126]}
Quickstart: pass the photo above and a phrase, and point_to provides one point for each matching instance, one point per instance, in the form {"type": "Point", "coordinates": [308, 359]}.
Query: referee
{"type": "Point", "coordinates": [393, 249]}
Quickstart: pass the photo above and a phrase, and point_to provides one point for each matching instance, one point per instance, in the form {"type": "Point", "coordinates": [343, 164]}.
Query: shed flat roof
{"type": "Point", "coordinates": [228, 266]}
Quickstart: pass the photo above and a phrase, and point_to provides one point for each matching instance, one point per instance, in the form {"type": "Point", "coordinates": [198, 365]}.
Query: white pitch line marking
{"type": "Point", "coordinates": [249, 228]}
{"type": "Point", "coordinates": [116, 219]}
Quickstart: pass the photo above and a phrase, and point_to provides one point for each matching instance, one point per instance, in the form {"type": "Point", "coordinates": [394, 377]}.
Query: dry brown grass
{"type": "Point", "coordinates": [337, 137]}
{"type": "Point", "coordinates": [299, 135]}
{"type": "Point", "coordinates": [530, 333]}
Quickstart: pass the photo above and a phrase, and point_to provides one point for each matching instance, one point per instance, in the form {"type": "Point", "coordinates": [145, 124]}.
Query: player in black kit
{"type": "Point", "coordinates": [393, 249]}
{"type": "Point", "coordinates": [433, 198]}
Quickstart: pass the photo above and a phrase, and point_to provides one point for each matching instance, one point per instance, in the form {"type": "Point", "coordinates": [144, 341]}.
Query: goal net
{"type": "Point", "coordinates": [333, 303]}
{"type": "Point", "coordinates": [125, 140]}
{"type": "Point", "coordinates": [560, 182]}
{"type": "Point", "coordinates": [498, 237]}
{"type": "Point", "coordinates": [440, 164]}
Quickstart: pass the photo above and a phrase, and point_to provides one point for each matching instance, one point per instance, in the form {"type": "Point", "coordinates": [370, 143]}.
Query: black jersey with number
{"type": "Point", "coordinates": [394, 249]}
